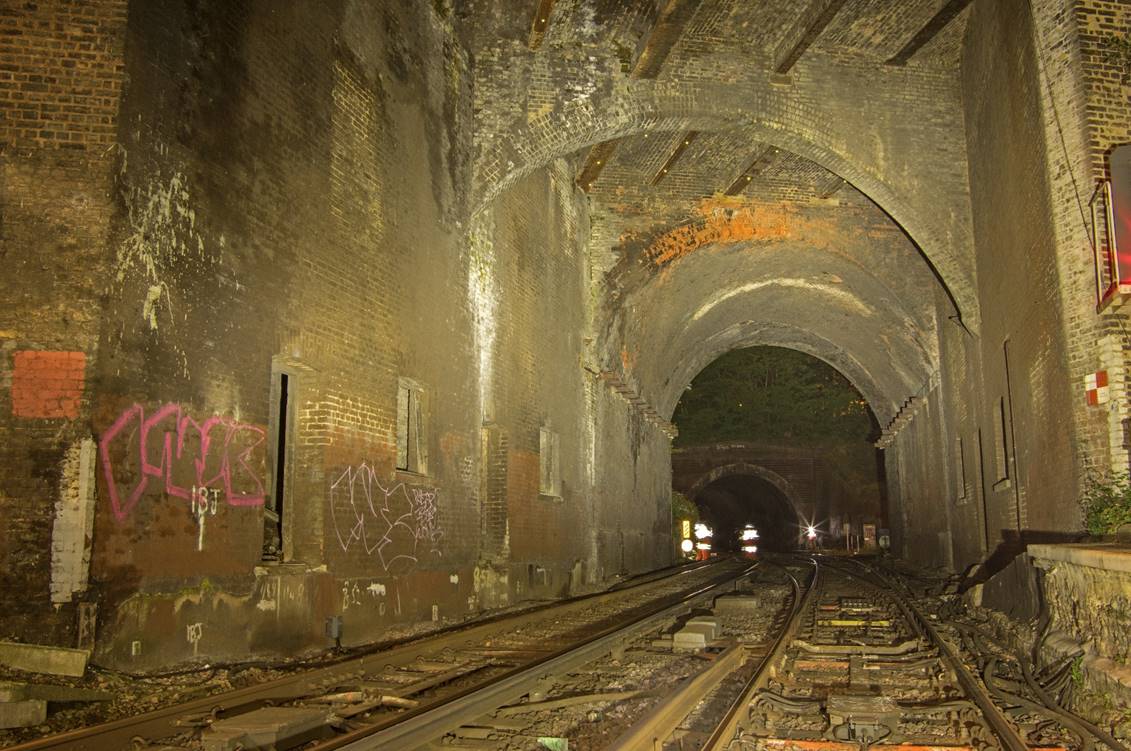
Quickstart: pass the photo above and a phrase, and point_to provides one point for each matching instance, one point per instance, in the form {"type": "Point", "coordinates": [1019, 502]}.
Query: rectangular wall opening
{"type": "Point", "coordinates": [412, 453]}
{"type": "Point", "coordinates": [276, 541]}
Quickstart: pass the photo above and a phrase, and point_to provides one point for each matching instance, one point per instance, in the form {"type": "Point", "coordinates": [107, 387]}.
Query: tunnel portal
{"type": "Point", "coordinates": [737, 502]}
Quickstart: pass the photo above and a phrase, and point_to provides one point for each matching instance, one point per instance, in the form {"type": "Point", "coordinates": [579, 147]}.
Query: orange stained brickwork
{"type": "Point", "coordinates": [722, 220]}
{"type": "Point", "coordinates": [47, 384]}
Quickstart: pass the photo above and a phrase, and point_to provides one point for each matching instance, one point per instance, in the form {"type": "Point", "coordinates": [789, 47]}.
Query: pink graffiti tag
{"type": "Point", "coordinates": [222, 458]}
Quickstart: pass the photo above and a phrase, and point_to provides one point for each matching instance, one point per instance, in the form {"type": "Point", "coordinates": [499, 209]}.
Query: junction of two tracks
{"type": "Point", "coordinates": [788, 653]}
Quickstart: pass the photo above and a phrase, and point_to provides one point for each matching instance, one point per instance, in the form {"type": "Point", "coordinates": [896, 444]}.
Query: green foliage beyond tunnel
{"type": "Point", "coordinates": [772, 395]}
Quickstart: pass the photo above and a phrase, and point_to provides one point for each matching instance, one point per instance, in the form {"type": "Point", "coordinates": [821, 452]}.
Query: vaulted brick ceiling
{"type": "Point", "coordinates": [711, 237]}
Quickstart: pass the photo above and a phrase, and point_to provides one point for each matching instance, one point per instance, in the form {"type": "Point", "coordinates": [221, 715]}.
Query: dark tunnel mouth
{"type": "Point", "coordinates": [753, 500]}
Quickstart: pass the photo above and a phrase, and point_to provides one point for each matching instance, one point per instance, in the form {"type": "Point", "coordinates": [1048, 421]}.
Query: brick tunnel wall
{"type": "Point", "coordinates": [286, 192]}
{"type": "Point", "coordinates": [998, 451]}
{"type": "Point", "coordinates": [59, 99]}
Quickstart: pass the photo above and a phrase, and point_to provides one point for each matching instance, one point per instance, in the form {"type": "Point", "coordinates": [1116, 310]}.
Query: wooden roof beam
{"type": "Point", "coordinates": [665, 32]}
{"type": "Point", "coordinates": [946, 14]}
{"type": "Point", "coordinates": [595, 161]}
{"type": "Point", "coordinates": [761, 162]}
{"type": "Point", "coordinates": [818, 16]}
{"type": "Point", "coordinates": [684, 142]}
{"type": "Point", "coordinates": [540, 24]}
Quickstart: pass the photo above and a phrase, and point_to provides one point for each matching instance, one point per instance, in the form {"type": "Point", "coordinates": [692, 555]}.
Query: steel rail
{"type": "Point", "coordinates": [429, 723]}
{"type": "Point", "coordinates": [655, 727]}
{"type": "Point", "coordinates": [735, 716]}
{"type": "Point", "coordinates": [993, 716]}
{"type": "Point", "coordinates": [163, 723]}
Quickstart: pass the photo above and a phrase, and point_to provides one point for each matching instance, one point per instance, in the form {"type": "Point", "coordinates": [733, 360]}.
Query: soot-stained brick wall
{"type": "Point", "coordinates": [290, 190]}
{"type": "Point", "coordinates": [1104, 100]}
{"type": "Point", "coordinates": [258, 192]}
{"type": "Point", "coordinates": [531, 288]}
{"type": "Point", "coordinates": [1022, 350]}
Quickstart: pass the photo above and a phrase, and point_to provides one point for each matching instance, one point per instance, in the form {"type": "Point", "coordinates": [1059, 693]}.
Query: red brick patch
{"type": "Point", "coordinates": [47, 384]}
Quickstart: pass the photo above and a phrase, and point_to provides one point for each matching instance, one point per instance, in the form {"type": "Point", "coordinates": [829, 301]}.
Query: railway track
{"type": "Point", "coordinates": [862, 668]}
{"type": "Point", "coordinates": [336, 705]}
{"type": "Point", "coordinates": [854, 665]}
{"type": "Point", "coordinates": [791, 654]}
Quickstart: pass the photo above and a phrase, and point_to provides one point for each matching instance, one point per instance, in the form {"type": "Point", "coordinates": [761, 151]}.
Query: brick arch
{"type": "Point", "coordinates": [802, 340]}
{"type": "Point", "coordinates": [938, 223]}
{"type": "Point", "coordinates": [668, 326]}
{"type": "Point", "coordinates": [746, 468]}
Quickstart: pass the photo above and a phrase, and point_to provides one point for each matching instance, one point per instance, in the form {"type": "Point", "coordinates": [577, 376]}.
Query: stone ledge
{"type": "Point", "coordinates": [36, 658]}
{"type": "Point", "coordinates": [1105, 556]}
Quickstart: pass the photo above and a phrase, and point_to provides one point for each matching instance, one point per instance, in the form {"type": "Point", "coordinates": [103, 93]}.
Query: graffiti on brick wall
{"type": "Point", "coordinates": [201, 462]}
{"type": "Point", "coordinates": [395, 525]}
{"type": "Point", "coordinates": [427, 520]}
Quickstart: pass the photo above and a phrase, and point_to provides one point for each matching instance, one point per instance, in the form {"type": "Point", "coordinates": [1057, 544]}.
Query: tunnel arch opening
{"type": "Point", "coordinates": [743, 501]}
{"type": "Point", "coordinates": [795, 429]}
{"type": "Point", "coordinates": [842, 285]}
{"type": "Point", "coordinates": [751, 470]}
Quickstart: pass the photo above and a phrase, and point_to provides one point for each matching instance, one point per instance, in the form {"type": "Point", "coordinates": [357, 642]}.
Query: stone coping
{"type": "Point", "coordinates": [1108, 556]}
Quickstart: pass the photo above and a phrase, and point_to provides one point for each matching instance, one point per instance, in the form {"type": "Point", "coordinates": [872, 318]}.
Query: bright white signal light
{"type": "Point", "coordinates": [704, 546]}
{"type": "Point", "coordinates": [702, 530]}
{"type": "Point", "coordinates": [749, 534]}
{"type": "Point", "coordinates": [749, 548]}
{"type": "Point", "coordinates": [811, 532]}
{"type": "Point", "coordinates": [687, 546]}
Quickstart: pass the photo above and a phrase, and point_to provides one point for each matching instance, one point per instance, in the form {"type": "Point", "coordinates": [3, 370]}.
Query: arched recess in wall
{"type": "Point", "coordinates": [940, 230]}
{"type": "Point", "coordinates": [745, 468]}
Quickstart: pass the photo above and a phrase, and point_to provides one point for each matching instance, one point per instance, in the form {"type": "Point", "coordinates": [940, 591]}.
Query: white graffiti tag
{"type": "Point", "coordinates": [427, 524]}
{"type": "Point", "coordinates": [388, 523]}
